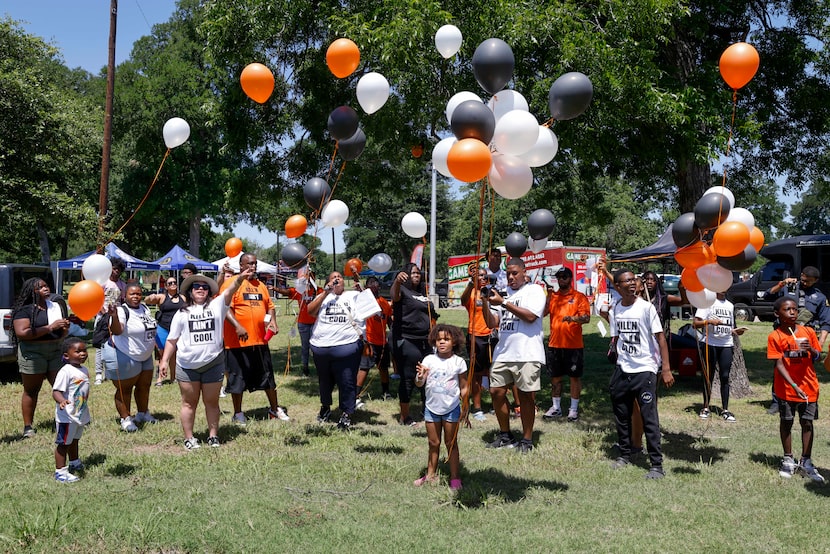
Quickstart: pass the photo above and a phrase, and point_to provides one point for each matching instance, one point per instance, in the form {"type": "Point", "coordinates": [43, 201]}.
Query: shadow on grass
{"type": "Point", "coordinates": [765, 459]}
{"type": "Point", "coordinates": [95, 459]}
{"type": "Point", "coordinates": [370, 449]}
{"type": "Point", "coordinates": [482, 486]}
{"type": "Point", "coordinates": [229, 432]}
{"type": "Point", "coordinates": [491, 436]}
{"type": "Point", "coordinates": [688, 448]}
{"type": "Point", "coordinates": [122, 470]}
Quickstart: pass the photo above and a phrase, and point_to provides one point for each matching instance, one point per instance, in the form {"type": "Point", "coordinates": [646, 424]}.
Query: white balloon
{"type": "Point", "coordinates": [380, 263]}
{"type": "Point", "coordinates": [97, 268]}
{"type": "Point", "coordinates": [414, 225]}
{"type": "Point", "coordinates": [448, 40]}
{"type": "Point", "coordinates": [701, 299]}
{"type": "Point", "coordinates": [335, 213]}
{"type": "Point", "coordinates": [742, 215]}
{"type": "Point", "coordinates": [505, 101]}
{"type": "Point", "coordinates": [714, 277]}
{"type": "Point", "coordinates": [544, 150]}
{"type": "Point", "coordinates": [176, 131]}
{"type": "Point", "coordinates": [724, 191]}
{"type": "Point", "coordinates": [372, 92]}
{"type": "Point", "coordinates": [510, 176]}
{"type": "Point", "coordinates": [440, 153]}
{"type": "Point", "coordinates": [516, 132]}
{"type": "Point", "coordinates": [457, 99]}
{"type": "Point", "coordinates": [536, 245]}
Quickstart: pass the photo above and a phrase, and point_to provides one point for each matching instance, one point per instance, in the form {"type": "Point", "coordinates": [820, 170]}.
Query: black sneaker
{"type": "Point", "coordinates": [656, 472]}
{"type": "Point", "coordinates": [324, 414]}
{"type": "Point", "coordinates": [504, 440]}
{"type": "Point", "coordinates": [213, 442]}
{"type": "Point", "coordinates": [524, 446]}
{"type": "Point", "coordinates": [345, 422]}
{"type": "Point", "coordinates": [306, 373]}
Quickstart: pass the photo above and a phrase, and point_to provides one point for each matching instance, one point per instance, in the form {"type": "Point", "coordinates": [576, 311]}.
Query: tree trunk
{"type": "Point", "coordinates": [43, 240]}
{"type": "Point", "coordinates": [194, 235]}
{"type": "Point", "coordinates": [692, 181]}
{"type": "Point", "coordinates": [739, 386]}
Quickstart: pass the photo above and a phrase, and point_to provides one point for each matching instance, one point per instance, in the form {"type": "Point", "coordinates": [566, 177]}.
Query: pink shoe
{"type": "Point", "coordinates": [455, 484]}
{"type": "Point", "coordinates": [426, 479]}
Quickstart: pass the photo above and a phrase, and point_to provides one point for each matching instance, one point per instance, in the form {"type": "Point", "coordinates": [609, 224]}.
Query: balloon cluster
{"type": "Point", "coordinates": [501, 139]}
{"type": "Point", "coordinates": [712, 242]}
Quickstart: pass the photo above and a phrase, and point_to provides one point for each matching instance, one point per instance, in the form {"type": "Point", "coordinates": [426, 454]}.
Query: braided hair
{"type": "Point", "coordinates": [28, 295]}
{"type": "Point", "coordinates": [659, 298]}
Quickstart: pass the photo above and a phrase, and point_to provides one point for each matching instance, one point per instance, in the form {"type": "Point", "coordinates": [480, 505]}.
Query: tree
{"type": "Point", "coordinates": [50, 148]}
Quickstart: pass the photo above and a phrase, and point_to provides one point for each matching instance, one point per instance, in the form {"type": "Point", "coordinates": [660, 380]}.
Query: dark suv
{"type": "Point", "coordinates": [12, 277]}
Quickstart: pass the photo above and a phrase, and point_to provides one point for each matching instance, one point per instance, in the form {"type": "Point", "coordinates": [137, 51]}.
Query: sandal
{"type": "Point", "coordinates": [425, 479]}
{"type": "Point", "coordinates": [455, 484]}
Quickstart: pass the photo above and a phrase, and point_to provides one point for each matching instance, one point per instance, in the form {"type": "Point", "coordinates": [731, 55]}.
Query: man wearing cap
{"type": "Point", "coordinates": [569, 310]}
{"type": "Point", "coordinates": [248, 357]}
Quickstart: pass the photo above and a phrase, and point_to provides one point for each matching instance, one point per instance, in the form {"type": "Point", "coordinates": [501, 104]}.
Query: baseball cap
{"type": "Point", "coordinates": [563, 272]}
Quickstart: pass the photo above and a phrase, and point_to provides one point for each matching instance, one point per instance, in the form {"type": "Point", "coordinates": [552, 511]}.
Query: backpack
{"type": "Point", "coordinates": [101, 333]}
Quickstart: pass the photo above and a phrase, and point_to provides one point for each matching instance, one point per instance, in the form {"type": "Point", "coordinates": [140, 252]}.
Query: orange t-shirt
{"type": "Point", "coordinates": [303, 300]}
{"type": "Point", "coordinates": [566, 334]}
{"type": "Point", "coordinates": [376, 325]}
{"type": "Point", "coordinates": [250, 304]}
{"type": "Point", "coordinates": [476, 327]}
{"type": "Point", "coordinates": [781, 345]}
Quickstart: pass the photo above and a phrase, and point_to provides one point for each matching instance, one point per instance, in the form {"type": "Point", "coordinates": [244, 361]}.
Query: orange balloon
{"type": "Point", "coordinates": [730, 238]}
{"type": "Point", "coordinates": [86, 299]}
{"type": "Point", "coordinates": [756, 239]}
{"type": "Point", "coordinates": [257, 82]}
{"type": "Point", "coordinates": [695, 255]}
{"type": "Point", "coordinates": [353, 267]}
{"type": "Point", "coordinates": [295, 226]}
{"type": "Point", "coordinates": [233, 246]}
{"type": "Point", "coordinates": [738, 64]}
{"type": "Point", "coordinates": [469, 160]}
{"type": "Point", "coordinates": [689, 279]}
{"type": "Point", "coordinates": [343, 57]}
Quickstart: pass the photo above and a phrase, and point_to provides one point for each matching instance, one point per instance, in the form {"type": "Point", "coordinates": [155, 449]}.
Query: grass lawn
{"type": "Point", "coordinates": [289, 486]}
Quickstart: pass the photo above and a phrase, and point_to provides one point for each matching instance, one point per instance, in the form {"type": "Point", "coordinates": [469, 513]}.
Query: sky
{"type": "Point", "coordinates": [80, 29]}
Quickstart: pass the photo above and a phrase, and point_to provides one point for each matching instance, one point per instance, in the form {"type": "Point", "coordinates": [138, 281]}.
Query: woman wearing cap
{"type": "Point", "coordinates": [196, 335]}
{"type": "Point", "coordinates": [169, 302]}
{"type": "Point", "coordinates": [128, 356]}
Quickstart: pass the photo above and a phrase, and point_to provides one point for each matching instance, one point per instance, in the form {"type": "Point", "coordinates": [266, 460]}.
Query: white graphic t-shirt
{"type": "Point", "coordinates": [138, 337]}
{"type": "Point", "coordinates": [73, 382]}
{"type": "Point", "coordinates": [336, 324]}
{"type": "Point", "coordinates": [636, 325]}
{"type": "Point", "coordinates": [442, 391]}
{"type": "Point", "coordinates": [718, 335]}
{"type": "Point", "coordinates": [520, 341]}
{"type": "Point", "coordinates": [199, 333]}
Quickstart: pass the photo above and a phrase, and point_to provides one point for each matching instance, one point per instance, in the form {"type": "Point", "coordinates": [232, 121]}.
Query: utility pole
{"type": "Point", "coordinates": [103, 191]}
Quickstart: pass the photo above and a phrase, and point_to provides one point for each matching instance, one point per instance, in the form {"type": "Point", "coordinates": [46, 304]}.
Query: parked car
{"type": "Point", "coordinates": [12, 277]}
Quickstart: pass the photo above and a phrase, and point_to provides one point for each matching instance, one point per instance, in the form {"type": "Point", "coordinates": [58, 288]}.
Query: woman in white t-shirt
{"type": "Point", "coordinates": [195, 340]}
{"type": "Point", "coordinates": [128, 357]}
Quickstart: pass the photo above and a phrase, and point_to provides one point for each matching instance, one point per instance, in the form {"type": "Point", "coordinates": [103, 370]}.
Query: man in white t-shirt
{"type": "Point", "coordinates": [641, 348]}
{"type": "Point", "coordinates": [519, 354]}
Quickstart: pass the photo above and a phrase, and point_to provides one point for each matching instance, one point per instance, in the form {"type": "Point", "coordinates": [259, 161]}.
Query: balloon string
{"type": "Point", "coordinates": [337, 180]}
{"type": "Point", "coordinates": [146, 195]}
{"type": "Point", "coordinates": [728, 144]}
{"type": "Point", "coordinates": [549, 123]}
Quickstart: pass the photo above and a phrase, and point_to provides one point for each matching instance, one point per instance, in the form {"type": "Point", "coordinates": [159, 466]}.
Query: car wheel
{"type": "Point", "coordinates": [743, 313]}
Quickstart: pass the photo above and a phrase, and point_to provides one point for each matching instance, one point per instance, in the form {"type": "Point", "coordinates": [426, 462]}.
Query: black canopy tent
{"type": "Point", "coordinates": [662, 250]}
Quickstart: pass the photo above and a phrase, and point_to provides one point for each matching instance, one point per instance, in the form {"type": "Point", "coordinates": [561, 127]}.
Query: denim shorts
{"type": "Point", "coordinates": [452, 417]}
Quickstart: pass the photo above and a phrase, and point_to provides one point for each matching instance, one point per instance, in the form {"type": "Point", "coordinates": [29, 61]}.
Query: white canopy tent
{"type": "Point", "coordinates": [261, 267]}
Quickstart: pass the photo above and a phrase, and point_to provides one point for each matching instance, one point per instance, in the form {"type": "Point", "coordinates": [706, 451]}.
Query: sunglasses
{"type": "Point", "coordinates": [200, 286]}
{"type": "Point", "coordinates": [171, 283]}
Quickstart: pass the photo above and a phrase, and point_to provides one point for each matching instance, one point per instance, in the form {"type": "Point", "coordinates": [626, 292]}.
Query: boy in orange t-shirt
{"type": "Point", "coordinates": [794, 348]}
{"type": "Point", "coordinates": [376, 350]}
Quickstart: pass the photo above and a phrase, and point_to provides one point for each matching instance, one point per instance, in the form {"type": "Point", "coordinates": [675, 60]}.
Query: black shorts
{"type": "Point", "coordinates": [565, 361]}
{"type": "Point", "coordinates": [484, 353]}
{"type": "Point", "coordinates": [805, 410]}
{"type": "Point", "coordinates": [249, 368]}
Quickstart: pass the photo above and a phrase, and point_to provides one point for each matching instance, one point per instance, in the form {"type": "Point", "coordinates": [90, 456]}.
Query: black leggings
{"type": "Point", "coordinates": [408, 353]}
{"type": "Point", "coordinates": [722, 356]}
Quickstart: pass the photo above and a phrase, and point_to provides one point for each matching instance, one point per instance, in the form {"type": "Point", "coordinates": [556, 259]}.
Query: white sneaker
{"type": "Point", "coordinates": [552, 413]}
{"type": "Point", "coordinates": [145, 417]}
{"type": "Point", "coordinates": [810, 471]}
{"type": "Point", "coordinates": [479, 416]}
{"type": "Point", "coordinates": [63, 476]}
{"type": "Point", "coordinates": [192, 443]}
{"type": "Point", "coordinates": [279, 413]}
{"type": "Point", "coordinates": [99, 379]}
{"type": "Point", "coordinates": [359, 404]}
{"type": "Point", "coordinates": [222, 393]}
{"type": "Point", "coordinates": [128, 425]}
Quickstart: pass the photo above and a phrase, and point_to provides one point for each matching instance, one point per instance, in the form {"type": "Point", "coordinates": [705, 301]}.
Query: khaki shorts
{"type": "Point", "coordinates": [526, 375]}
{"type": "Point", "coordinates": [39, 357]}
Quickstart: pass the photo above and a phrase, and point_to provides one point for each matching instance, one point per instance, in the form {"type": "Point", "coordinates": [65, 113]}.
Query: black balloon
{"type": "Point", "coordinates": [515, 244]}
{"type": "Point", "coordinates": [473, 119]}
{"type": "Point", "coordinates": [742, 261]}
{"type": "Point", "coordinates": [493, 63]}
{"type": "Point", "coordinates": [342, 123]}
{"type": "Point", "coordinates": [294, 255]}
{"type": "Point", "coordinates": [316, 193]}
{"type": "Point", "coordinates": [711, 210]}
{"type": "Point", "coordinates": [684, 231]}
{"type": "Point", "coordinates": [353, 146]}
{"type": "Point", "coordinates": [540, 224]}
{"type": "Point", "coordinates": [570, 95]}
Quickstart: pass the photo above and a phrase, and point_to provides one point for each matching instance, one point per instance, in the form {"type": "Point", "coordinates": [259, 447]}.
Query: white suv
{"type": "Point", "coordinates": [12, 277]}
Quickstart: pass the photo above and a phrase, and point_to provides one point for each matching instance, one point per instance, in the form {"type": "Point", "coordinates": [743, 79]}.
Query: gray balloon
{"type": "Point", "coordinates": [316, 193]}
{"type": "Point", "coordinates": [742, 261]}
{"type": "Point", "coordinates": [570, 96]}
{"type": "Point", "coordinates": [473, 119]}
{"type": "Point", "coordinates": [342, 123]}
{"type": "Point", "coordinates": [684, 231]}
{"type": "Point", "coordinates": [353, 146]}
{"type": "Point", "coordinates": [540, 224]}
{"type": "Point", "coordinates": [711, 210]}
{"type": "Point", "coordinates": [493, 64]}
{"type": "Point", "coordinates": [294, 255]}
{"type": "Point", "coordinates": [515, 244]}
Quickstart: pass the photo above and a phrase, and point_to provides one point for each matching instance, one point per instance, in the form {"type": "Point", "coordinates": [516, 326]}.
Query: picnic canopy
{"type": "Point", "coordinates": [261, 267]}
{"type": "Point", "coordinates": [663, 248]}
{"type": "Point", "coordinates": [111, 250]}
{"type": "Point", "coordinates": [177, 257]}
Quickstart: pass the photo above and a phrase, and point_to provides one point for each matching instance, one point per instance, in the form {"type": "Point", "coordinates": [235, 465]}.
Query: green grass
{"type": "Point", "coordinates": [283, 487]}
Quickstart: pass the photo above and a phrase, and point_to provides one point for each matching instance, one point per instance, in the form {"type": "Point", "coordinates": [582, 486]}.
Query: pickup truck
{"type": "Point", "coordinates": [785, 258]}
{"type": "Point", "coordinates": [12, 277]}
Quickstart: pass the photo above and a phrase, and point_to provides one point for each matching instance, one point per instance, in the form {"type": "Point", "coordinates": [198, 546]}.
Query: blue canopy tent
{"type": "Point", "coordinates": [111, 250]}
{"type": "Point", "coordinates": [177, 257]}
